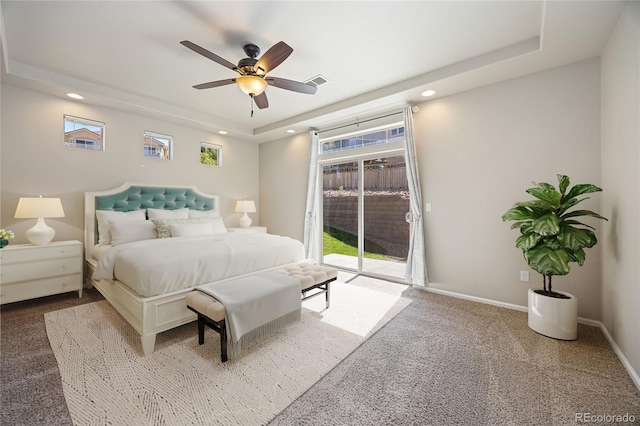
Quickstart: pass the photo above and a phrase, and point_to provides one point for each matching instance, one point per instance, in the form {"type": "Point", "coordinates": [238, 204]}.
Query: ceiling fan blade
{"type": "Point", "coordinates": [261, 100]}
{"type": "Point", "coordinates": [217, 83]}
{"type": "Point", "coordinates": [294, 86]}
{"type": "Point", "coordinates": [204, 52]}
{"type": "Point", "coordinates": [273, 57]}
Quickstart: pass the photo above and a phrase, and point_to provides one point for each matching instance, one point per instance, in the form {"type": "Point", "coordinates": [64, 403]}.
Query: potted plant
{"type": "Point", "coordinates": [551, 238]}
{"type": "Point", "coordinates": [5, 236]}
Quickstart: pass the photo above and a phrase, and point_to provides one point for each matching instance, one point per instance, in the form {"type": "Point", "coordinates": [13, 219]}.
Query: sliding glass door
{"type": "Point", "coordinates": [385, 205]}
{"type": "Point", "coordinates": [365, 201]}
{"type": "Point", "coordinates": [340, 208]}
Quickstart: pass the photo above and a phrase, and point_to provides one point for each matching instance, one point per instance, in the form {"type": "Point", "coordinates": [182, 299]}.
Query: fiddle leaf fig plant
{"type": "Point", "coordinates": [551, 237]}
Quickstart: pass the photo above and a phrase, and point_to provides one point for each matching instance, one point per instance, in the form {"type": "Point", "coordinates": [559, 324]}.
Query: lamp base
{"type": "Point", "coordinates": [245, 221]}
{"type": "Point", "coordinates": [41, 233]}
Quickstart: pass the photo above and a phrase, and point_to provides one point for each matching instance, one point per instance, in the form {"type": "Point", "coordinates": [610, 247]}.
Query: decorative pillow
{"type": "Point", "coordinates": [217, 225]}
{"type": "Point", "coordinates": [203, 213]}
{"type": "Point", "coordinates": [126, 231]}
{"type": "Point", "coordinates": [168, 214]}
{"type": "Point", "coordinates": [104, 216]}
{"type": "Point", "coordinates": [162, 225]}
{"type": "Point", "coordinates": [190, 229]}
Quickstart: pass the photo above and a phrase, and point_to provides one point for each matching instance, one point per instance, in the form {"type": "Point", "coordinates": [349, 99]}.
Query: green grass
{"type": "Point", "coordinates": [341, 242]}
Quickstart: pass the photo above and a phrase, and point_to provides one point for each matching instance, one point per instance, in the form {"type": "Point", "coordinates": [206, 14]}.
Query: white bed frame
{"type": "Point", "coordinates": [147, 315]}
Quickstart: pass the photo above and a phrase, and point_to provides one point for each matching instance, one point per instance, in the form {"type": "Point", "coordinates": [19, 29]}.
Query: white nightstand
{"type": "Point", "coordinates": [249, 229]}
{"type": "Point", "coordinates": [28, 271]}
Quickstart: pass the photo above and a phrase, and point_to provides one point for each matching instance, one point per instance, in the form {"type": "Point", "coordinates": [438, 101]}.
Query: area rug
{"type": "Point", "coordinates": [107, 380]}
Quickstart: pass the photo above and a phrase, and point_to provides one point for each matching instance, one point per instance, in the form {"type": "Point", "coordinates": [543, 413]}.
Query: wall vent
{"type": "Point", "coordinates": [317, 80]}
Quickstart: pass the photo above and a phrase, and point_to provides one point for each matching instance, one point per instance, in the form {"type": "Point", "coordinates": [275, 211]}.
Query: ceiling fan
{"type": "Point", "coordinates": [253, 79]}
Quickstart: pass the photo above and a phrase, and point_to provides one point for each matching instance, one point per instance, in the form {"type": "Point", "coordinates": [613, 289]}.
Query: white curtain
{"type": "Point", "coordinates": [416, 266]}
{"type": "Point", "coordinates": [311, 220]}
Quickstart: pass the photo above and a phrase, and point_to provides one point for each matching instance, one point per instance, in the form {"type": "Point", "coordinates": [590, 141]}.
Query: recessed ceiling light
{"type": "Point", "coordinates": [291, 131]}
{"type": "Point", "coordinates": [429, 92]}
{"type": "Point", "coordinates": [223, 132]}
{"type": "Point", "coordinates": [75, 96]}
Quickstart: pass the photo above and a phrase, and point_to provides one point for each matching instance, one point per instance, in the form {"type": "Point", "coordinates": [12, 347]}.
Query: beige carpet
{"type": "Point", "coordinates": [447, 361]}
{"type": "Point", "coordinates": [106, 379]}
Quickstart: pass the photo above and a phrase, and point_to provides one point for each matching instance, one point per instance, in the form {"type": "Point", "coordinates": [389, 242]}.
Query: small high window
{"type": "Point", "coordinates": [158, 145]}
{"type": "Point", "coordinates": [83, 133]}
{"type": "Point", "coordinates": [210, 154]}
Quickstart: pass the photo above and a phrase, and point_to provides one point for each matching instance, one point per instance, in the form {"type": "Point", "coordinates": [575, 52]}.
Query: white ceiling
{"type": "Point", "coordinates": [377, 55]}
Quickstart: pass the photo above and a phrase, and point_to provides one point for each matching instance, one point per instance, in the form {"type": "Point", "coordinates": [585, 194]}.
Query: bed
{"type": "Point", "coordinates": [142, 278]}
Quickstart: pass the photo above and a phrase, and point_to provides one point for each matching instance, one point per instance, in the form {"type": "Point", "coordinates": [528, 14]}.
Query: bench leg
{"type": "Point", "coordinates": [326, 294]}
{"type": "Point", "coordinates": [219, 327]}
{"type": "Point", "coordinates": [200, 329]}
{"type": "Point", "coordinates": [223, 341]}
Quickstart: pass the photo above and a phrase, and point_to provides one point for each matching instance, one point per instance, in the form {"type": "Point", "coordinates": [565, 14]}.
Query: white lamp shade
{"type": "Point", "coordinates": [29, 208]}
{"type": "Point", "coordinates": [245, 206]}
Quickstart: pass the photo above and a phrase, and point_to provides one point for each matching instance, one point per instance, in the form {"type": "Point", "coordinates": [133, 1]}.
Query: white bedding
{"type": "Point", "coordinates": [99, 250]}
{"type": "Point", "coordinates": [158, 266]}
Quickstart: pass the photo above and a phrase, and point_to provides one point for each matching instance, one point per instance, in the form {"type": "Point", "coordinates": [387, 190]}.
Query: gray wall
{"type": "Point", "coordinates": [621, 180]}
{"type": "Point", "coordinates": [284, 173]}
{"type": "Point", "coordinates": [35, 162]}
{"type": "Point", "coordinates": [478, 151]}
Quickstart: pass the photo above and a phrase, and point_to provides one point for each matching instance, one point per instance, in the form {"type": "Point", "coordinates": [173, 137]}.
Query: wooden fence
{"type": "Point", "coordinates": [374, 179]}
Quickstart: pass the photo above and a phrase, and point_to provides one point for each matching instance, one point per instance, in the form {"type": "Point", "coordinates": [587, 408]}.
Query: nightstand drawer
{"type": "Point", "coordinates": [22, 291]}
{"type": "Point", "coordinates": [29, 253]}
{"type": "Point", "coordinates": [28, 271]}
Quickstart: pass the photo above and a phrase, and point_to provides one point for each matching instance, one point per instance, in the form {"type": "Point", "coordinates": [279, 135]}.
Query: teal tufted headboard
{"type": "Point", "coordinates": [132, 197]}
{"type": "Point", "coordinates": [145, 197]}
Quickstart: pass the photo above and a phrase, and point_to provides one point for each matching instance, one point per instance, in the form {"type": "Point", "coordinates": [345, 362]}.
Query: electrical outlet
{"type": "Point", "coordinates": [427, 207]}
{"type": "Point", "coordinates": [524, 276]}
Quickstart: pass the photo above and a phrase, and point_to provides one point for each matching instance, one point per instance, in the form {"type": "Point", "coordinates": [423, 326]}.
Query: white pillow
{"type": "Point", "coordinates": [190, 229]}
{"type": "Point", "coordinates": [203, 213]}
{"type": "Point", "coordinates": [104, 216]}
{"type": "Point", "coordinates": [217, 225]}
{"type": "Point", "coordinates": [162, 225]}
{"type": "Point", "coordinates": [126, 231]}
{"type": "Point", "coordinates": [168, 214]}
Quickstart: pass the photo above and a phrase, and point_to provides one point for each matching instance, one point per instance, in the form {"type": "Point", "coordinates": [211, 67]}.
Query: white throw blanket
{"type": "Point", "coordinates": [256, 305]}
{"type": "Point", "coordinates": [163, 265]}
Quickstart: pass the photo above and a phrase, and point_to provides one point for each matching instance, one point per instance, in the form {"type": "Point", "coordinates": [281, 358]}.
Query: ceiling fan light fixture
{"type": "Point", "coordinates": [252, 85]}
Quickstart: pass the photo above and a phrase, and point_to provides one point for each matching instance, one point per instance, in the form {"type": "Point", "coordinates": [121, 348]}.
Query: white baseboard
{"type": "Point", "coordinates": [473, 298]}
{"type": "Point", "coordinates": [616, 349]}
{"type": "Point", "coordinates": [623, 359]}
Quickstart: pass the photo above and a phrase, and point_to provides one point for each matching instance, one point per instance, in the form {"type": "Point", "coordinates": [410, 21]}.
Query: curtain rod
{"type": "Point", "coordinates": [360, 122]}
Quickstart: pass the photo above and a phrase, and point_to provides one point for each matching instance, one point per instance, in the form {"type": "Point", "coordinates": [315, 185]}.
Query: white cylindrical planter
{"type": "Point", "coordinates": [553, 317]}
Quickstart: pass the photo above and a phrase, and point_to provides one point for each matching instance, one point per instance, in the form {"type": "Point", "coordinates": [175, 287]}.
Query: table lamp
{"type": "Point", "coordinates": [39, 208]}
{"type": "Point", "coordinates": [245, 207]}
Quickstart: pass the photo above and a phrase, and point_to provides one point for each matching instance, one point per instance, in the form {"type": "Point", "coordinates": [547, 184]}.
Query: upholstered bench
{"type": "Point", "coordinates": [311, 277]}
{"type": "Point", "coordinates": [212, 313]}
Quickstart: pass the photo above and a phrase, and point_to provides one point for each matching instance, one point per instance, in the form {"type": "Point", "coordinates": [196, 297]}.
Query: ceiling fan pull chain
{"type": "Point", "coordinates": [251, 96]}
